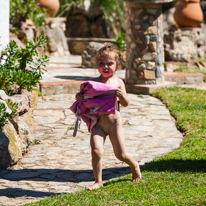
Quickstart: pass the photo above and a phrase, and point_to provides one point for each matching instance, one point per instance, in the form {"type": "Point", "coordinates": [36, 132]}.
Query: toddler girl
{"type": "Point", "coordinates": [108, 61]}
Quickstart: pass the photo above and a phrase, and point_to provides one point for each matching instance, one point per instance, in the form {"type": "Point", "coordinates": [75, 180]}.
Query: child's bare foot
{"type": "Point", "coordinates": [96, 185]}
{"type": "Point", "coordinates": [136, 174]}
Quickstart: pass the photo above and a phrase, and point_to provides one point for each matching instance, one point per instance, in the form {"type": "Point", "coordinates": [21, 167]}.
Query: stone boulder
{"type": "Point", "coordinates": [5, 159]}
{"type": "Point", "coordinates": [17, 133]}
{"type": "Point", "coordinates": [23, 101]}
{"type": "Point", "coordinates": [88, 55]}
{"type": "Point", "coordinates": [3, 95]}
{"type": "Point", "coordinates": [15, 143]}
{"type": "Point", "coordinates": [13, 37]}
{"type": "Point", "coordinates": [25, 129]}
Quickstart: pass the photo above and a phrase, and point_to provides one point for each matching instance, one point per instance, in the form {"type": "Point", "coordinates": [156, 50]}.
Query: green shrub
{"type": "Point", "coordinates": [20, 10]}
{"type": "Point", "coordinates": [4, 116]}
{"type": "Point", "coordinates": [13, 106]}
{"type": "Point", "coordinates": [120, 42]}
{"type": "Point", "coordinates": [114, 13]}
{"type": "Point", "coordinates": [22, 68]}
{"type": "Point", "coordinates": [169, 5]}
{"type": "Point", "coordinates": [66, 5]}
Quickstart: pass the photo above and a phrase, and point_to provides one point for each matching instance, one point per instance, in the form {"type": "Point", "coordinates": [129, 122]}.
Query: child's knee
{"type": "Point", "coordinates": [120, 156]}
{"type": "Point", "coordinates": [97, 153]}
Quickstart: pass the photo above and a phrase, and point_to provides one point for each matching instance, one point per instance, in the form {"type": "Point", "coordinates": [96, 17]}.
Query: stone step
{"type": "Point", "coordinates": [171, 78]}
{"type": "Point", "coordinates": [63, 87]}
{"type": "Point", "coordinates": [183, 78]}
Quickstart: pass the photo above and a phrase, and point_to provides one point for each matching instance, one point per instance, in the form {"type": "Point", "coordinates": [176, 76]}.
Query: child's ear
{"type": "Point", "coordinates": [118, 67]}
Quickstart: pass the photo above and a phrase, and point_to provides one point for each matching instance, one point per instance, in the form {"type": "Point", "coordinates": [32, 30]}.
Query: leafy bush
{"type": "Point", "coordinates": [13, 106]}
{"type": "Point", "coordinates": [22, 68]}
{"type": "Point", "coordinates": [66, 5]}
{"type": "Point", "coordinates": [4, 116]}
{"type": "Point", "coordinates": [114, 13]}
{"type": "Point", "coordinates": [169, 5]}
{"type": "Point", "coordinates": [20, 10]}
{"type": "Point", "coordinates": [120, 41]}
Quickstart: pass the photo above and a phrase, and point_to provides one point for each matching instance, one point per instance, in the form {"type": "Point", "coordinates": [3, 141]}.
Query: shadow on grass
{"type": "Point", "coordinates": [117, 181]}
{"type": "Point", "coordinates": [176, 165]}
{"type": "Point", "coordinates": [51, 175]}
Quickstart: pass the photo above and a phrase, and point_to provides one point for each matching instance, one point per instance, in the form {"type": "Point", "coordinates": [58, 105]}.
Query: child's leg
{"type": "Point", "coordinates": [97, 142]}
{"type": "Point", "coordinates": [116, 136]}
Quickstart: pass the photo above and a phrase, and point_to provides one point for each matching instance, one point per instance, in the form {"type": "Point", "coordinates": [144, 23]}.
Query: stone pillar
{"type": "Point", "coordinates": [4, 23]}
{"type": "Point", "coordinates": [144, 42]}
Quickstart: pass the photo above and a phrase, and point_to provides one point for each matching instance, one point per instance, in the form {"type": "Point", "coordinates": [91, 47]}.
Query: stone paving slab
{"type": "Point", "coordinates": [61, 163]}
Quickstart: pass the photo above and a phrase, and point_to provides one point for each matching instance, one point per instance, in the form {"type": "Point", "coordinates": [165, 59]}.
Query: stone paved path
{"type": "Point", "coordinates": [61, 163]}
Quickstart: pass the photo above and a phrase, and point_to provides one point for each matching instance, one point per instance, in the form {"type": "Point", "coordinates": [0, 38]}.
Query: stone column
{"type": "Point", "coordinates": [144, 42]}
{"type": "Point", "coordinates": [4, 23]}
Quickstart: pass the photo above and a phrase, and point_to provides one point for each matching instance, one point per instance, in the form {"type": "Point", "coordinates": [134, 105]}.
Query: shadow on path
{"type": "Point", "coordinates": [18, 192]}
{"type": "Point", "coordinates": [52, 175]}
{"type": "Point", "coordinates": [74, 77]}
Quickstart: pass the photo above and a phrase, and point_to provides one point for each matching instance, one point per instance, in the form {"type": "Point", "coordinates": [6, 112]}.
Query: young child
{"type": "Point", "coordinates": [108, 61]}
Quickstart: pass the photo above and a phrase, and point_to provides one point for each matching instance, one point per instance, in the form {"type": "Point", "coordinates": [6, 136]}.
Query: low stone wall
{"type": "Point", "coordinates": [183, 78]}
{"type": "Point", "coordinates": [78, 45]}
{"type": "Point", "coordinates": [184, 44]}
{"type": "Point", "coordinates": [17, 133]}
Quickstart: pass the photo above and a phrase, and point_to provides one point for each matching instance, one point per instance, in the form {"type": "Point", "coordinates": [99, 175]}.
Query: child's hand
{"type": "Point", "coordinates": [79, 96]}
{"type": "Point", "coordinates": [122, 97]}
{"type": "Point", "coordinates": [118, 93]}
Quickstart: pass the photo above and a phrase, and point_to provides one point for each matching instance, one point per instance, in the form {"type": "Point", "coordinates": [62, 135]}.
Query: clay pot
{"type": "Point", "coordinates": [51, 5]}
{"type": "Point", "coordinates": [188, 13]}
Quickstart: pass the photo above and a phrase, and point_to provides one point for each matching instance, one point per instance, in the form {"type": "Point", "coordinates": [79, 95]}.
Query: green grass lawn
{"type": "Point", "coordinates": [178, 178]}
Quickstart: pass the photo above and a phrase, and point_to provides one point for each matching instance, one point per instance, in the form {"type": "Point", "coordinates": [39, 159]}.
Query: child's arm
{"type": "Point", "coordinates": [79, 96]}
{"type": "Point", "coordinates": [122, 94]}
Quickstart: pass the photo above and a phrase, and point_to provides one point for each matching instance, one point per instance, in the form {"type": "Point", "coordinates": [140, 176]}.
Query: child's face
{"type": "Point", "coordinates": [107, 64]}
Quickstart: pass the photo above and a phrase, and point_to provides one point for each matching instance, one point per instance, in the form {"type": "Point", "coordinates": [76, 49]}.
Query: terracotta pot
{"type": "Point", "coordinates": [188, 13]}
{"type": "Point", "coordinates": [51, 5]}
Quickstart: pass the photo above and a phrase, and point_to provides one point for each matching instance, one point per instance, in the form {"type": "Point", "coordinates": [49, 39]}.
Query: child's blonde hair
{"type": "Point", "coordinates": [107, 49]}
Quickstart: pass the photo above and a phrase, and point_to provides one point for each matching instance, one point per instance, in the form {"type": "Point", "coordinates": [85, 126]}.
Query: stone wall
{"type": "Point", "coordinates": [54, 30]}
{"type": "Point", "coordinates": [78, 45]}
{"type": "Point", "coordinates": [184, 44]}
{"type": "Point", "coordinates": [17, 133]}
